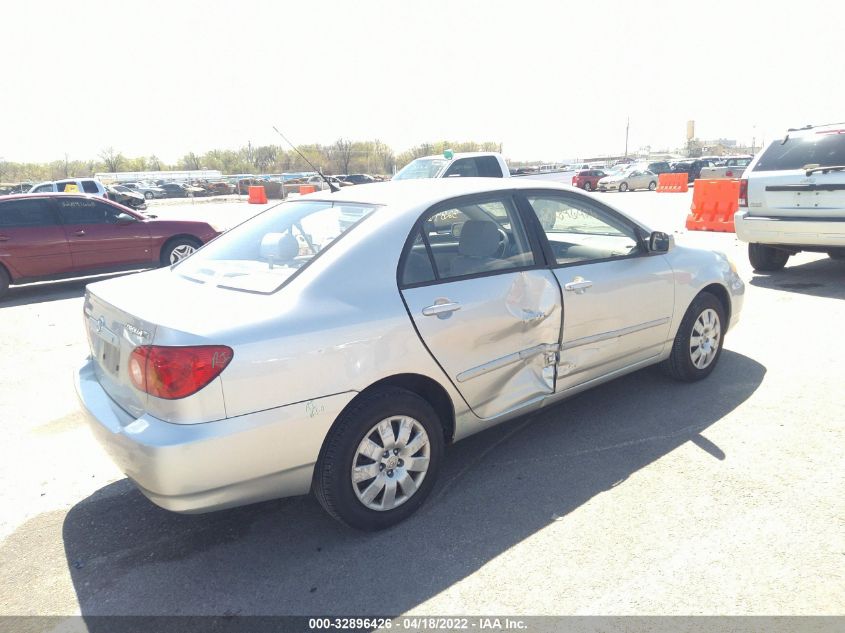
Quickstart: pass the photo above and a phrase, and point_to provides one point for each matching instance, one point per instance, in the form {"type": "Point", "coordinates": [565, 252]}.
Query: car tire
{"type": "Point", "coordinates": [4, 281]}
{"type": "Point", "coordinates": [177, 249]}
{"type": "Point", "coordinates": [691, 357]}
{"type": "Point", "coordinates": [623, 187]}
{"type": "Point", "coordinates": [652, 186]}
{"type": "Point", "coordinates": [378, 419]}
{"type": "Point", "coordinates": [766, 258]}
{"type": "Point", "coordinates": [149, 195]}
{"type": "Point", "coordinates": [588, 186]}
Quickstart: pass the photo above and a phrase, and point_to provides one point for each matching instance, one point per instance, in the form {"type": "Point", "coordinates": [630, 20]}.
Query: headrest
{"type": "Point", "coordinates": [279, 247]}
{"type": "Point", "coordinates": [479, 238]}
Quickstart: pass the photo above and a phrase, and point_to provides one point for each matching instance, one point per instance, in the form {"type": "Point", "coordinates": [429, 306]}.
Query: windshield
{"type": "Point", "coordinates": [261, 254]}
{"type": "Point", "coordinates": [824, 150]}
{"type": "Point", "coordinates": [421, 168]}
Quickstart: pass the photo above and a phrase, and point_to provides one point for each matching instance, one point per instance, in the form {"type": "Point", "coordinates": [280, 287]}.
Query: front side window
{"type": "Point", "coordinates": [471, 238]}
{"type": "Point", "coordinates": [261, 254]}
{"type": "Point", "coordinates": [19, 213]}
{"type": "Point", "coordinates": [43, 188]}
{"type": "Point", "coordinates": [84, 211]}
{"type": "Point", "coordinates": [579, 231]}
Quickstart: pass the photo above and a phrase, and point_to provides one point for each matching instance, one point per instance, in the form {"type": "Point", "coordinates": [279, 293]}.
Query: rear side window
{"type": "Point", "coordinates": [89, 186]}
{"type": "Point", "coordinates": [67, 187]}
{"type": "Point", "coordinates": [26, 213]}
{"type": "Point", "coordinates": [824, 150]}
{"type": "Point", "coordinates": [479, 166]}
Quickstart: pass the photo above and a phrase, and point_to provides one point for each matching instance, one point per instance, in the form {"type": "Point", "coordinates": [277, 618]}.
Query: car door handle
{"type": "Point", "coordinates": [79, 233]}
{"type": "Point", "coordinates": [578, 286]}
{"type": "Point", "coordinates": [441, 308]}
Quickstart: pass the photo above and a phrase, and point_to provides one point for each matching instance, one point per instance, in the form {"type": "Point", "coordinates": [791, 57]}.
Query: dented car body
{"type": "Point", "coordinates": [337, 342]}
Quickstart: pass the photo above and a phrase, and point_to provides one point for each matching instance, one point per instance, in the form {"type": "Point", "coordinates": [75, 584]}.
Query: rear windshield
{"type": "Point", "coordinates": [261, 254]}
{"type": "Point", "coordinates": [824, 150]}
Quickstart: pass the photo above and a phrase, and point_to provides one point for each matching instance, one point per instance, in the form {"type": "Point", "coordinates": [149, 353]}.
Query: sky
{"type": "Point", "coordinates": [548, 80]}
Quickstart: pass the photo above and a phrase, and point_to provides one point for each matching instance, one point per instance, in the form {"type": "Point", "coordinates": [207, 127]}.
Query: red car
{"type": "Point", "coordinates": [588, 179]}
{"type": "Point", "coordinates": [59, 235]}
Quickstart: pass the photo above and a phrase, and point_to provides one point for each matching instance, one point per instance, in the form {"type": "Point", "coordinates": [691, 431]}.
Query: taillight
{"type": "Point", "coordinates": [743, 192]}
{"type": "Point", "coordinates": [176, 372]}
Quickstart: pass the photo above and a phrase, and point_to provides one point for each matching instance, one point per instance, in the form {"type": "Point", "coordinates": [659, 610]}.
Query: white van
{"type": "Point", "coordinates": [792, 197]}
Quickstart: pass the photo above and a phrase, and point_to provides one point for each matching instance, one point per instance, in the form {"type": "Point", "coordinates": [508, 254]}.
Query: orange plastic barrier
{"type": "Point", "coordinates": [675, 183]}
{"type": "Point", "coordinates": [307, 189]}
{"type": "Point", "coordinates": [714, 203]}
{"type": "Point", "coordinates": [257, 195]}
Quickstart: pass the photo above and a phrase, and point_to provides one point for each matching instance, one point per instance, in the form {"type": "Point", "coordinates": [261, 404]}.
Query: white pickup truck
{"type": "Point", "coordinates": [731, 168]}
{"type": "Point", "coordinates": [471, 164]}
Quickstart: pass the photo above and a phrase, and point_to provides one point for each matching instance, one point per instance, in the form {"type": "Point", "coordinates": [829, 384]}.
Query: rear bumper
{"type": "Point", "coordinates": [789, 231]}
{"type": "Point", "coordinates": [214, 465]}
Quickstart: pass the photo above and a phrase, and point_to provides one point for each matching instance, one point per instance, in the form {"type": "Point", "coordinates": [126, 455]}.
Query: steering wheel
{"type": "Point", "coordinates": [504, 243]}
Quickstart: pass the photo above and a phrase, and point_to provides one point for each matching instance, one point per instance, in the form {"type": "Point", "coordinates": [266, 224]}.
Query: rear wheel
{"type": "Point", "coordinates": [380, 460]}
{"type": "Point", "coordinates": [148, 195]}
{"type": "Point", "coordinates": [652, 186]}
{"type": "Point", "coordinates": [623, 187]}
{"type": "Point", "coordinates": [4, 281]}
{"type": "Point", "coordinates": [178, 249]}
{"type": "Point", "coordinates": [766, 258]}
{"type": "Point", "coordinates": [698, 343]}
{"type": "Point", "coordinates": [588, 186]}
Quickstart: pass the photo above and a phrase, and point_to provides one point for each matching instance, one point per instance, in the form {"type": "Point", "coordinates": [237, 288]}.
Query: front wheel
{"type": "Point", "coordinates": [380, 461]}
{"type": "Point", "coordinates": [766, 258]}
{"type": "Point", "coordinates": [623, 187]}
{"type": "Point", "coordinates": [178, 249]}
{"type": "Point", "coordinates": [652, 186]}
{"type": "Point", "coordinates": [698, 343]}
{"type": "Point", "coordinates": [588, 186]}
{"type": "Point", "coordinates": [149, 195]}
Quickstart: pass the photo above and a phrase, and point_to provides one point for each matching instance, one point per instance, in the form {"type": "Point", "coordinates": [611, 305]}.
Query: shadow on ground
{"type": "Point", "coordinates": [43, 292]}
{"type": "Point", "coordinates": [819, 278]}
{"type": "Point", "coordinates": [126, 556]}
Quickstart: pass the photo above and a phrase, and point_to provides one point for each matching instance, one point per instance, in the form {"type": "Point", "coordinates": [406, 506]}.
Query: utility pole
{"type": "Point", "coordinates": [627, 125]}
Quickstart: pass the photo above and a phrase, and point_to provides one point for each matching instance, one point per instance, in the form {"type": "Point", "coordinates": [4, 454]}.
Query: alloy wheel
{"type": "Point", "coordinates": [704, 339]}
{"type": "Point", "coordinates": [390, 463]}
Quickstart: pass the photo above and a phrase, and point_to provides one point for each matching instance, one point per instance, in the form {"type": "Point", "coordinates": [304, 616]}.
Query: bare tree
{"type": "Point", "coordinates": [112, 158]}
{"type": "Point", "coordinates": [342, 150]}
{"type": "Point", "coordinates": [155, 163]}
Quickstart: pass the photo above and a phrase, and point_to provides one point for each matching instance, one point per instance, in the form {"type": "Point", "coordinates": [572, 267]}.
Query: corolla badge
{"type": "Point", "coordinates": [136, 331]}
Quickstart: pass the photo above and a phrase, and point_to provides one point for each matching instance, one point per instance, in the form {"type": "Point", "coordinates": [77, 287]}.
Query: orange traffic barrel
{"type": "Point", "coordinates": [257, 195]}
{"type": "Point", "coordinates": [303, 189]}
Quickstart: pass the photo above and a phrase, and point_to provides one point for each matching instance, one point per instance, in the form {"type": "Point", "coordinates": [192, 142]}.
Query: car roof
{"type": "Point", "coordinates": [53, 194]}
{"type": "Point", "coordinates": [412, 194]}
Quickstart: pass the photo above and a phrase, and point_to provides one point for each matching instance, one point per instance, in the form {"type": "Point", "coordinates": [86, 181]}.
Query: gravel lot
{"type": "Point", "coordinates": [642, 496]}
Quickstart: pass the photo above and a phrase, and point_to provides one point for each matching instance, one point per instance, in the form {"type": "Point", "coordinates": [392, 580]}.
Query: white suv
{"type": "Point", "coordinates": [792, 197]}
{"type": "Point", "coordinates": [72, 185]}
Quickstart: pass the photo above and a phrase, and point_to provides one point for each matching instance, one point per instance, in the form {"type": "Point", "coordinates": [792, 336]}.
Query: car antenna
{"type": "Point", "coordinates": [332, 187]}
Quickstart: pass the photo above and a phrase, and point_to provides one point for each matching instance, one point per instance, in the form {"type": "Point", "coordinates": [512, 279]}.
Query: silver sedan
{"type": "Point", "coordinates": [338, 343]}
{"type": "Point", "coordinates": [629, 180]}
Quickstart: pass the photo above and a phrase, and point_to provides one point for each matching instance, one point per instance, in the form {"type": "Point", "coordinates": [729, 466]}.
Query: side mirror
{"type": "Point", "coordinates": [124, 218]}
{"type": "Point", "coordinates": [659, 242]}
